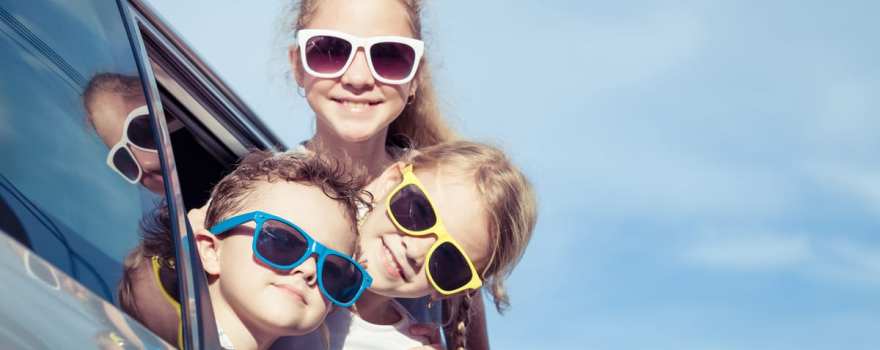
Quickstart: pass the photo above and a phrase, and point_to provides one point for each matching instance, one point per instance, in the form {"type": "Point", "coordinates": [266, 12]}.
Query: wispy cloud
{"type": "Point", "coordinates": [856, 180]}
{"type": "Point", "coordinates": [749, 251]}
{"type": "Point", "coordinates": [846, 260]}
{"type": "Point", "coordinates": [821, 257]}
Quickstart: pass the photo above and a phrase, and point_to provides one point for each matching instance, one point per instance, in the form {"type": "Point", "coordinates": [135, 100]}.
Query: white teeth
{"type": "Point", "coordinates": [355, 106]}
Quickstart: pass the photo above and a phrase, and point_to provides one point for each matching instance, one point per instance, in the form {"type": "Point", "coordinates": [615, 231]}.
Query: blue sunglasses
{"type": "Point", "coordinates": [283, 246]}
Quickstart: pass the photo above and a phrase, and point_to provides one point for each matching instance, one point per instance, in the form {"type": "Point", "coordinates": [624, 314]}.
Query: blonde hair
{"type": "Point", "coordinates": [420, 123]}
{"type": "Point", "coordinates": [510, 205]}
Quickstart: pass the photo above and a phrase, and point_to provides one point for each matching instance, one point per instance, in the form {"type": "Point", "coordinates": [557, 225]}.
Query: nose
{"type": "Point", "coordinates": [358, 76]}
{"type": "Point", "coordinates": [308, 270]}
{"type": "Point", "coordinates": [148, 161]}
{"type": "Point", "coordinates": [418, 246]}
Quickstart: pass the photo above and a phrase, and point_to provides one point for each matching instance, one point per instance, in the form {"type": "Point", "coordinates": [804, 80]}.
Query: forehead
{"type": "Point", "coordinates": [458, 203]}
{"type": "Point", "coordinates": [323, 218]}
{"type": "Point", "coordinates": [362, 17]}
{"type": "Point", "coordinates": [108, 112]}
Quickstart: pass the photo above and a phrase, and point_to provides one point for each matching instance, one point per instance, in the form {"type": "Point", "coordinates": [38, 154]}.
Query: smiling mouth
{"type": "Point", "coordinates": [392, 266]}
{"type": "Point", "coordinates": [356, 105]}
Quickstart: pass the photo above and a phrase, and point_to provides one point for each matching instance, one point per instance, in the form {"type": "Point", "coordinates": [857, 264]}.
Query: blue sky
{"type": "Point", "coordinates": [707, 171]}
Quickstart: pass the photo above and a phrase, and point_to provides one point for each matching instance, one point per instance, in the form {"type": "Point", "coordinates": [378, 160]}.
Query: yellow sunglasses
{"type": "Point", "coordinates": [448, 267]}
{"type": "Point", "coordinates": [158, 267]}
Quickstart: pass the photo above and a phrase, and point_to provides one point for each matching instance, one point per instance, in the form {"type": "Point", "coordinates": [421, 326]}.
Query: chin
{"type": "Point", "coordinates": [358, 130]}
{"type": "Point", "coordinates": [298, 326]}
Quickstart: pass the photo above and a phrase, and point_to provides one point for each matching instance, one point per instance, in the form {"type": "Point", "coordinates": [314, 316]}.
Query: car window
{"type": "Point", "coordinates": [80, 176]}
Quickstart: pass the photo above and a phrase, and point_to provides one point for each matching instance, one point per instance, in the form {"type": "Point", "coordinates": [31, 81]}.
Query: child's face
{"type": "Point", "coordinates": [396, 260]}
{"type": "Point", "coordinates": [285, 302]}
{"type": "Point", "coordinates": [356, 106]}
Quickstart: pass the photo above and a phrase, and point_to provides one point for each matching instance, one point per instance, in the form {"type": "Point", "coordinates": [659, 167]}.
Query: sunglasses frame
{"type": "Point", "coordinates": [124, 142]}
{"type": "Point", "coordinates": [418, 46]}
{"type": "Point", "coordinates": [314, 248]}
{"type": "Point", "coordinates": [157, 267]}
{"type": "Point", "coordinates": [438, 229]}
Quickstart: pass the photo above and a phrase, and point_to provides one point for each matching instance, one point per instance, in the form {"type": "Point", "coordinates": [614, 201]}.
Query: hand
{"type": "Point", "coordinates": [428, 331]}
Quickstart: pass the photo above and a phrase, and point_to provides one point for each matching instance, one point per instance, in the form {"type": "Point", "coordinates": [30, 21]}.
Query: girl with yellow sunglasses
{"type": "Point", "coordinates": [446, 221]}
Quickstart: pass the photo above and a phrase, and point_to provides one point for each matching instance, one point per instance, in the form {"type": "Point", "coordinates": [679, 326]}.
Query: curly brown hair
{"type": "Point", "coordinates": [229, 195]}
{"type": "Point", "coordinates": [330, 175]}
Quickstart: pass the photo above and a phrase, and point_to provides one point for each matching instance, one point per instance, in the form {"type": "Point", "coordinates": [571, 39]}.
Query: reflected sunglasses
{"type": "Point", "coordinates": [284, 246]}
{"type": "Point", "coordinates": [449, 269]}
{"type": "Point", "coordinates": [137, 132]}
{"type": "Point", "coordinates": [166, 277]}
{"type": "Point", "coordinates": [328, 53]}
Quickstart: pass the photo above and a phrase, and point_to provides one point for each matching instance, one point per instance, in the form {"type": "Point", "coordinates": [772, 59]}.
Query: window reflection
{"type": "Point", "coordinates": [68, 301]}
{"type": "Point", "coordinates": [80, 169]}
{"type": "Point", "coordinates": [148, 290]}
{"type": "Point", "coordinates": [116, 109]}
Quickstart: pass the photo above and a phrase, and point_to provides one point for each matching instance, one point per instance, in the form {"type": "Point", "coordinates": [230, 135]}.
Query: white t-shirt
{"type": "Point", "coordinates": [349, 331]}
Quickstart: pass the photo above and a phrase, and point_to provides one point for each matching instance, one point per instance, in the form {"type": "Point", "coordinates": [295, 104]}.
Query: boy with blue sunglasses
{"type": "Point", "coordinates": [277, 251]}
{"type": "Point", "coordinates": [277, 244]}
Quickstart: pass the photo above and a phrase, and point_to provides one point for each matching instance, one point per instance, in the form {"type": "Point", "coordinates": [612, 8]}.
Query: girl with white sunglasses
{"type": "Point", "coordinates": [362, 69]}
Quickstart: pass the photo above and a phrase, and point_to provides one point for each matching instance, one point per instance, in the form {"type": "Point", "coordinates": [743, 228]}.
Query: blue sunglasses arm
{"type": "Point", "coordinates": [234, 221]}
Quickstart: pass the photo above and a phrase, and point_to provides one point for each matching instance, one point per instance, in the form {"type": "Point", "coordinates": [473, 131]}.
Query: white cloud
{"type": "Point", "coordinates": [822, 257]}
{"type": "Point", "coordinates": [845, 120]}
{"type": "Point", "coordinates": [858, 181]}
{"type": "Point", "coordinates": [750, 251]}
{"type": "Point", "coordinates": [845, 260]}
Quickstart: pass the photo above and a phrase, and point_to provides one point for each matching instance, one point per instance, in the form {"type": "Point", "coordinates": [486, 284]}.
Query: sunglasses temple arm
{"type": "Point", "coordinates": [234, 221]}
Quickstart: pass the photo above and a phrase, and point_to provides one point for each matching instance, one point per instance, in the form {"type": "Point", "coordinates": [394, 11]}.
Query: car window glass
{"type": "Point", "coordinates": [80, 176]}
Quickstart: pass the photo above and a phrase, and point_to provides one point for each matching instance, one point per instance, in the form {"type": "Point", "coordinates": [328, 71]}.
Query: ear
{"type": "Point", "coordinates": [414, 85]}
{"type": "Point", "coordinates": [209, 251]}
{"type": "Point", "coordinates": [295, 65]}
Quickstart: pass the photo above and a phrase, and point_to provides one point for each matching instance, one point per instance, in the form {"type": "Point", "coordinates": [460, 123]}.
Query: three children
{"type": "Point", "coordinates": [280, 232]}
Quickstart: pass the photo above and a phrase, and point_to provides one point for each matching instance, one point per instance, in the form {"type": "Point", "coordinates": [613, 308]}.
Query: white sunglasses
{"type": "Point", "coordinates": [136, 132]}
{"type": "Point", "coordinates": [328, 54]}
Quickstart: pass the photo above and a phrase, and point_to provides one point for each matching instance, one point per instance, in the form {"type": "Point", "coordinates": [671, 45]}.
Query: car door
{"type": "Point", "coordinates": [85, 161]}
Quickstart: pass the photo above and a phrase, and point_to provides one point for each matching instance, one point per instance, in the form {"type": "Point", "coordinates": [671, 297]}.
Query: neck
{"type": "Point", "coordinates": [377, 309]}
{"type": "Point", "coordinates": [243, 336]}
{"type": "Point", "coordinates": [370, 153]}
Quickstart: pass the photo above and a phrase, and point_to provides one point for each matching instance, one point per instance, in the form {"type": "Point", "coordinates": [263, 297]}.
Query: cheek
{"type": "Point", "coordinates": [397, 94]}
{"type": "Point", "coordinates": [239, 260]}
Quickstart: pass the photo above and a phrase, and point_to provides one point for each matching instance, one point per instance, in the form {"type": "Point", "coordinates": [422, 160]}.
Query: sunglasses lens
{"type": "Point", "coordinates": [449, 268]}
{"type": "Point", "coordinates": [125, 163]}
{"type": "Point", "coordinates": [412, 210]}
{"type": "Point", "coordinates": [393, 61]}
{"type": "Point", "coordinates": [341, 278]}
{"type": "Point", "coordinates": [327, 54]}
{"type": "Point", "coordinates": [280, 243]}
{"type": "Point", "coordinates": [140, 132]}
{"type": "Point", "coordinates": [168, 278]}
